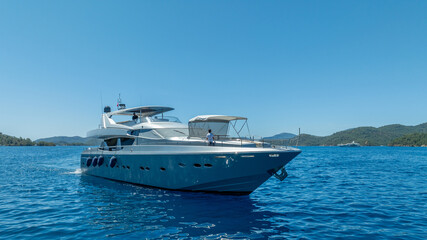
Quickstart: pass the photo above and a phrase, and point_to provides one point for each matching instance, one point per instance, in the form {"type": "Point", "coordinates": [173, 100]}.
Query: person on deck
{"type": "Point", "coordinates": [210, 138]}
{"type": "Point", "coordinates": [134, 117]}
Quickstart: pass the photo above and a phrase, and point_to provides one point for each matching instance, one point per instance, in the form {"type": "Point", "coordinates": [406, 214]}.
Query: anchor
{"type": "Point", "coordinates": [282, 175]}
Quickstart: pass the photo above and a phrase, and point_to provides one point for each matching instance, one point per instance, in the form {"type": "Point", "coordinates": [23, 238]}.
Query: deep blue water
{"type": "Point", "coordinates": [331, 192]}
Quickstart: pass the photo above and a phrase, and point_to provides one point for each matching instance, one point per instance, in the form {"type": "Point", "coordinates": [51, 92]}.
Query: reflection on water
{"type": "Point", "coordinates": [121, 208]}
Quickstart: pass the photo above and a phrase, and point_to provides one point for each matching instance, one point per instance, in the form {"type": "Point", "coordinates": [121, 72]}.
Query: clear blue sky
{"type": "Point", "coordinates": [323, 66]}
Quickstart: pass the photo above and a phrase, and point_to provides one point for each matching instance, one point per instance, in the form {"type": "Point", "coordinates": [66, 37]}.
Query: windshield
{"type": "Point", "coordinates": [173, 132]}
{"type": "Point", "coordinates": [160, 118]}
{"type": "Point", "coordinates": [160, 133]}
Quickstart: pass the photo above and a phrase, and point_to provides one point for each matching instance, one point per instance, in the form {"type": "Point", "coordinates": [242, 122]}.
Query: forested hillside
{"type": "Point", "coordinates": [6, 140]}
{"type": "Point", "coordinates": [414, 140]}
{"type": "Point", "coordinates": [366, 136]}
{"type": "Point", "coordinates": [71, 141]}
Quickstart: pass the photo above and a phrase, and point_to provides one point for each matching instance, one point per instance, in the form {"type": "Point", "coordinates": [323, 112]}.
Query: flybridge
{"type": "Point", "coordinates": [142, 117]}
{"type": "Point", "coordinates": [146, 111]}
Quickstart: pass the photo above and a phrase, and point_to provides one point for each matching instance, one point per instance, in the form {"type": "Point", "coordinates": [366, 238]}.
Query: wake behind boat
{"type": "Point", "coordinates": [159, 151]}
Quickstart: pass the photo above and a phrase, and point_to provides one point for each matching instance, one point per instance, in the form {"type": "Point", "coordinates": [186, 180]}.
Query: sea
{"type": "Point", "coordinates": [330, 193]}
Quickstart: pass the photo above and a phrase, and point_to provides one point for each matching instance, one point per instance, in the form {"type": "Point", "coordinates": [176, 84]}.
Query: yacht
{"type": "Point", "coordinates": [159, 151]}
{"type": "Point", "coordinates": [352, 144]}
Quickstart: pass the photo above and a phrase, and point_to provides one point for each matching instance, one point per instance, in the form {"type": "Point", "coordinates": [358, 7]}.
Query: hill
{"type": "Point", "coordinates": [282, 136]}
{"type": "Point", "coordinates": [67, 141]}
{"type": "Point", "coordinates": [366, 136]}
{"type": "Point", "coordinates": [6, 140]}
{"type": "Point", "coordinates": [413, 140]}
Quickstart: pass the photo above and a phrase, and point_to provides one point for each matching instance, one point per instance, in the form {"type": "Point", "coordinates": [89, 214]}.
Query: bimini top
{"type": "Point", "coordinates": [141, 111]}
{"type": "Point", "coordinates": [215, 118]}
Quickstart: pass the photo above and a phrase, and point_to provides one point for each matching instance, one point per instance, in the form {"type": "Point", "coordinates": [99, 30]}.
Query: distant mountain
{"type": "Point", "coordinates": [76, 140]}
{"type": "Point", "coordinates": [366, 136]}
{"type": "Point", "coordinates": [391, 135]}
{"type": "Point", "coordinates": [282, 136]}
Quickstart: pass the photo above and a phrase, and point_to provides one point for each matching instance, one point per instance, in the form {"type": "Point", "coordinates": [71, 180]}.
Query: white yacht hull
{"type": "Point", "coordinates": [229, 170]}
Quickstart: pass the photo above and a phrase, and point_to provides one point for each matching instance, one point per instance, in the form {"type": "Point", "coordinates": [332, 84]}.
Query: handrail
{"type": "Point", "coordinates": [177, 142]}
{"type": "Point", "coordinates": [132, 148]}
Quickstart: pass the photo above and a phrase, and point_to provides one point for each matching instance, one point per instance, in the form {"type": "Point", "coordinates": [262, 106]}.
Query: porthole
{"type": "Point", "coordinates": [147, 168]}
{"type": "Point", "coordinates": [95, 161]}
{"type": "Point", "coordinates": [181, 164]}
{"type": "Point", "coordinates": [208, 165]}
{"type": "Point", "coordinates": [123, 166]}
{"type": "Point", "coordinates": [163, 169]}
{"type": "Point", "coordinates": [197, 165]}
{"type": "Point", "coordinates": [127, 167]}
{"type": "Point", "coordinates": [142, 168]}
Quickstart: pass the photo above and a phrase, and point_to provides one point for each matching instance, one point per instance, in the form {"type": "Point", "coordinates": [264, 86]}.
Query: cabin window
{"type": "Point", "coordinates": [111, 142]}
{"type": "Point", "coordinates": [127, 141]}
{"type": "Point", "coordinates": [124, 141]}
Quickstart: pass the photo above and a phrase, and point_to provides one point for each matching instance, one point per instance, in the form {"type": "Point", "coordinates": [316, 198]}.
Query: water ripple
{"type": "Point", "coordinates": [363, 193]}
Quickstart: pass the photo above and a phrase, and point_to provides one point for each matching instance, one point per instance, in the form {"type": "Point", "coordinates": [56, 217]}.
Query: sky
{"type": "Point", "coordinates": [321, 66]}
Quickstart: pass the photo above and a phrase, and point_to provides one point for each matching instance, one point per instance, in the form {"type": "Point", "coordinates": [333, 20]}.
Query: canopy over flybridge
{"type": "Point", "coordinates": [146, 111]}
{"type": "Point", "coordinates": [215, 118]}
{"type": "Point", "coordinates": [219, 124]}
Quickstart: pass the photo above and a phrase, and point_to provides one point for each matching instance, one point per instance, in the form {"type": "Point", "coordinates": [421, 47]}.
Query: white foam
{"type": "Point", "coordinates": [77, 171]}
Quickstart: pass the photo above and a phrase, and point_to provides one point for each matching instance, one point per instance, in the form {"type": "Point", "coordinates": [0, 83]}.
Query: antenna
{"type": "Point", "coordinates": [120, 105]}
{"type": "Point", "coordinates": [119, 101]}
{"type": "Point", "coordinates": [102, 104]}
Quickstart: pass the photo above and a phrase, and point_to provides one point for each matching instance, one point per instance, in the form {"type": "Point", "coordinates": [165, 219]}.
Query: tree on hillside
{"type": "Point", "coordinates": [414, 140]}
